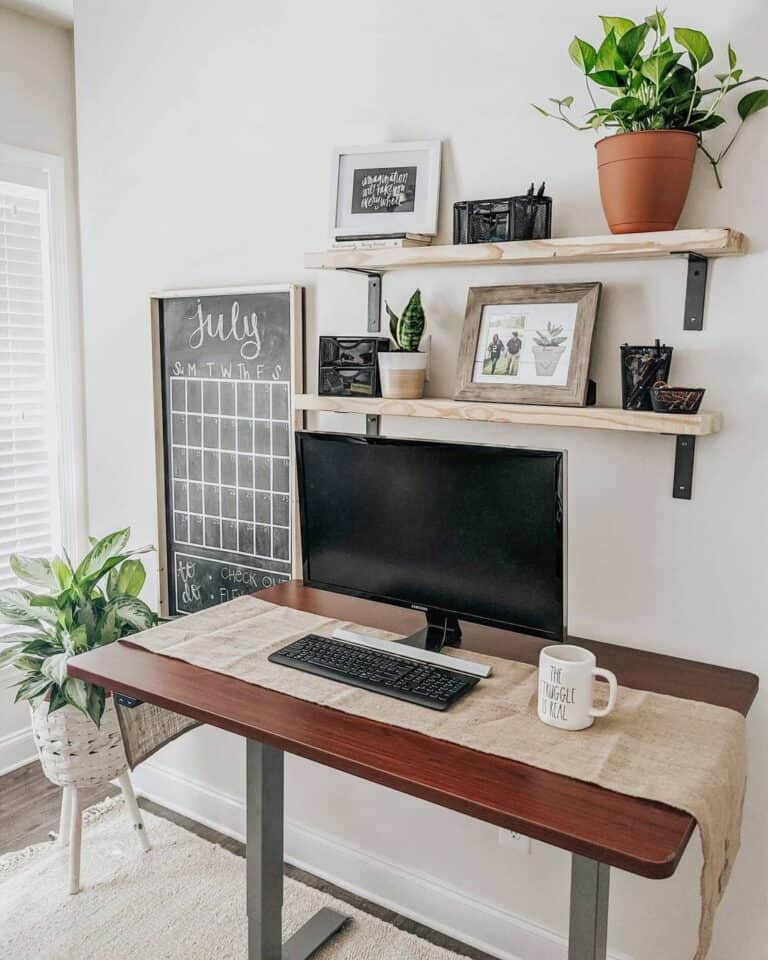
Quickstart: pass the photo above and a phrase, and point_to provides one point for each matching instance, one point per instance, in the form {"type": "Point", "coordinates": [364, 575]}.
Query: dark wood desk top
{"type": "Point", "coordinates": [636, 835]}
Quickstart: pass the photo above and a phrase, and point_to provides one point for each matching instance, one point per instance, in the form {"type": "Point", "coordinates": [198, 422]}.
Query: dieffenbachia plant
{"type": "Point", "coordinates": [408, 329]}
{"type": "Point", "coordinates": [654, 86]}
{"type": "Point", "coordinates": [72, 613]}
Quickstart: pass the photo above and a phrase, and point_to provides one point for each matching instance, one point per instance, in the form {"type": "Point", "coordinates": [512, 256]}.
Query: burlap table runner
{"type": "Point", "coordinates": [683, 753]}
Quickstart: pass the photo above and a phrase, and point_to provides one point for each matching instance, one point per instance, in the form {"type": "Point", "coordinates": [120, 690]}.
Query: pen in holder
{"type": "Point", "coordinates": [641, 367]}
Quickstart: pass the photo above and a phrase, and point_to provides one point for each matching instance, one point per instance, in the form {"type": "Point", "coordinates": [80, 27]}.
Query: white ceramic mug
{"type": "Point", "coordinates": [565, 687]}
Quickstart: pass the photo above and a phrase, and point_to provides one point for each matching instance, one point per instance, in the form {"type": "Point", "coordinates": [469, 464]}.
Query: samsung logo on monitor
{"type": "Point", "coordinates": [415, 606]}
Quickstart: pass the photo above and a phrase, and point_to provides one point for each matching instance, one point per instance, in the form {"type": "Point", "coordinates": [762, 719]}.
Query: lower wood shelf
{"type": "Point", "coordinates": [590, 418]}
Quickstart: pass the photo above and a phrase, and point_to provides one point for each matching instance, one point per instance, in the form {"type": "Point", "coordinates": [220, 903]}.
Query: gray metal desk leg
{"type": "Point", "coordinates": [588, 930]}
{"type": "Point", "coordinates": [264, 854]}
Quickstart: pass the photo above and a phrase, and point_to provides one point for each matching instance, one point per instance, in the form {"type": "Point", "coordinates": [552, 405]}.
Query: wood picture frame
{"type": "Point", "coordinates": [514, 349]}
{"type": "Point", "coordinates": [416, 160]}
{"type": "Point", "coordinates": [293, 295]}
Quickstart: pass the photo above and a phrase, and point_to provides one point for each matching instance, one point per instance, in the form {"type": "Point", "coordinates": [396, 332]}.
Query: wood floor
{"type": "Point", "coordinates": [29, 811]}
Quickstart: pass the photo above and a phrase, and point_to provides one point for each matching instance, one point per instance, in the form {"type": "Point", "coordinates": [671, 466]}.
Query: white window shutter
{"type": "Point", "coordinates": [29, 508]}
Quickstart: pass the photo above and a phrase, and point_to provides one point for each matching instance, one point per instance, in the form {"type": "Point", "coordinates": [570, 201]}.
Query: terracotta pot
{"type": "Point", "coordinates": [644, 178]}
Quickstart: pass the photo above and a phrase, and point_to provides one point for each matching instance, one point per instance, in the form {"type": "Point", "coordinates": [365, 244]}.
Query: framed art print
{"type": "Point", "coordinates": [528, 344]}
{"type": "Point", "coordinates": [384, 190]}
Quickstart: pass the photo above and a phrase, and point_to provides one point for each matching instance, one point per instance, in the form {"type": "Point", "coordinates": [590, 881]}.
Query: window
{"type": "Point", "coordinates": [29, 498]}
{"type": "Point", "coordinates": [41, 497]}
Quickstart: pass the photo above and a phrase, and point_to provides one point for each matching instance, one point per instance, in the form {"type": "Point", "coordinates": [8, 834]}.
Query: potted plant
{"type": "Point", "coordinates": [403, 369]}
{"type": "Point", "coordinates": [548, 347]}
{"type": "Point", "coordinates": [661, 112]}
{"type": "Point", "coordinates": [71, 612]}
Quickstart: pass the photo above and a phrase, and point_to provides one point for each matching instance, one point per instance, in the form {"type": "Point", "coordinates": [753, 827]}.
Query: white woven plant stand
{"type": "Point", "coordinates": [75, 753]}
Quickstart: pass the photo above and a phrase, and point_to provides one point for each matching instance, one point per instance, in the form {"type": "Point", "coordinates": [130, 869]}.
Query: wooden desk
{"type": "Point", "coordinates": [600, 828]}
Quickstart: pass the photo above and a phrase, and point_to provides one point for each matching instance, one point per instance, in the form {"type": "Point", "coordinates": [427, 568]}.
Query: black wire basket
{"type": "Point", "coordinates": [641, 367]}
{"type": "Point", "coordinates": [528, 217]}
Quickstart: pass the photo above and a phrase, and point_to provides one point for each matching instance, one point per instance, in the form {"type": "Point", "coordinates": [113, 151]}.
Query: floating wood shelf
{"type": "Point", "coordinates": [707, 243]}
{"type": "Point", "coordinates": [590, 418]}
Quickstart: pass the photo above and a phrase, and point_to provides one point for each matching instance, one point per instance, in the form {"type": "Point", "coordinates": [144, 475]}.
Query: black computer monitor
{"type": "Point", "coordinates": [460, 531]}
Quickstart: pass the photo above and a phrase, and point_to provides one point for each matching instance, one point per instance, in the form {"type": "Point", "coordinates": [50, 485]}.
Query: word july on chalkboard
{"type": "Point", "coordinates": [384, 190]}
{"type": "Point", "coordinates": [225, 377]}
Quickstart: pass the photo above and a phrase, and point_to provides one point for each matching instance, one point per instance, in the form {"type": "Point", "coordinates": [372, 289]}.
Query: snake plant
{"type": "Point", "coordinates": [408, 329]}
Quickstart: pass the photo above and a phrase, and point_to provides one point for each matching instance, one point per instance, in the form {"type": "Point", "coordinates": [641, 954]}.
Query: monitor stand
{"type": "Point", "coordinates": [441, 631]}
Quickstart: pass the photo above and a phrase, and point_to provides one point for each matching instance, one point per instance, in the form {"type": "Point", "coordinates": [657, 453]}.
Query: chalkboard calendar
{"type": "Point", "coordinates": [226, 371]}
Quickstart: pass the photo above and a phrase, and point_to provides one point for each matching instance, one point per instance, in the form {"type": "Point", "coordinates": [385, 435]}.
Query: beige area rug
{"type": "Point", "coordinates": [183, 899]}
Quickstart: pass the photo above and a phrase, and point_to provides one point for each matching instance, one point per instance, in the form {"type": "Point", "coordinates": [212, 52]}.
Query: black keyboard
{"type": "Point", "coordinates": [394, 676]}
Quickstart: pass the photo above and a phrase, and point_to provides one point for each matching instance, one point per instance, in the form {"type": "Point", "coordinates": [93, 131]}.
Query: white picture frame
{"type": "Point", "coordinates": [359, 181]}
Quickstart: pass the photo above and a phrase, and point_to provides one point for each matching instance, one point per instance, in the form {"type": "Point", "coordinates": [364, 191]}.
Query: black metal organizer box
{"type": "Point", "coordinates": [693, 320]}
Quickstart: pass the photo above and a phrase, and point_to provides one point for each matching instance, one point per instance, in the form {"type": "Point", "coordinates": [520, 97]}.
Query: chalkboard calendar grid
{"type": "Point", "coordinates": [226, 370]}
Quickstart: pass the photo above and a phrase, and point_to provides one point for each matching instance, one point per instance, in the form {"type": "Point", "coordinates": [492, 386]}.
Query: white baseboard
{"type": "Point", "coordinates": [16, 750]}
{"type": "Point", "coordinates": [416, 895]}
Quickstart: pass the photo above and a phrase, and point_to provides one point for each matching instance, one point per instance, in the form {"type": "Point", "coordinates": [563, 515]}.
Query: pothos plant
{"type": "Point", "coordinates": [407, 329]}
{"type": "Point", "coordinates": [71, 612]}
{"type": "Point", "coordinates": [653, 86]}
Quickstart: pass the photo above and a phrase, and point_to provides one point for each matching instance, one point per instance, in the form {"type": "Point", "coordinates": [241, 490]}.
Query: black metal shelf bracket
{"type": "Point", "coordinates": [374, 297]}
{"type": "Point", "coordinates": [682, 487]}
{"type": "Point", "coordinates": [695, 292]}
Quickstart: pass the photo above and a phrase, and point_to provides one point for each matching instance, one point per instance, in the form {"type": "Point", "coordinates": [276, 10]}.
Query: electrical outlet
{"type": "Point", "coordinates": [514, 841]}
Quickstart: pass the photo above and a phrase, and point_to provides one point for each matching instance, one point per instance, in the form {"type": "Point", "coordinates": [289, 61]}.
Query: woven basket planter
{"type": "Point", "coordinates": [75, 752]}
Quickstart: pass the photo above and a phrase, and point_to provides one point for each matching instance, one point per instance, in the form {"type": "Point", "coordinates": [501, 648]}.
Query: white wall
{"type": "Point", "coordinates": [37, 112]}
{"type": "Point", "coordinates": [204, 137]}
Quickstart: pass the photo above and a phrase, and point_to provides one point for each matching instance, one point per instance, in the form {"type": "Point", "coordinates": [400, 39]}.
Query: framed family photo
{"type": "Point", "coordinates": [388, 189]}
{"type": "Point", "coordinates": [528, 343]}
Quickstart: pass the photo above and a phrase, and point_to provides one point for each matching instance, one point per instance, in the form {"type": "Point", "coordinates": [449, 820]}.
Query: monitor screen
{"type": "Point", "coordinates": [475, 532]}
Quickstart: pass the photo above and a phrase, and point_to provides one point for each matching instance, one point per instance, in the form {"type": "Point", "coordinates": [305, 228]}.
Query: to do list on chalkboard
{"type": "Point", "coordinates": [224, 380]}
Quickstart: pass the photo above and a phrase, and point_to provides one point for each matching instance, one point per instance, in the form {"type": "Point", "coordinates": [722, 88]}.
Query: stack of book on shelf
{"type": "Point", "coordinates": [381, 241]}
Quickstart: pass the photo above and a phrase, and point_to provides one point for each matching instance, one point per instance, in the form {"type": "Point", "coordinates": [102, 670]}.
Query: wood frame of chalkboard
{"type": "Point", "coordinates": [242, 333]}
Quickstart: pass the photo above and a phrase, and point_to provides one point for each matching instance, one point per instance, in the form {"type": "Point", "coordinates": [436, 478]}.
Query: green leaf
{"type": "Point", "coordinates": [731, 57]}
{"type": "Point", "coordinates": [7, 655]}
{"type": "Point", "coordinates": [752, 102]}
{"type": "Point", "coordinates": [658, 66]}
{"type": "Point", "coordinates": [627, 105]}
{"type": "Point", "coordinates": [62, 571]}
{"type": "Point", "coordinates": [607, 78]}
{"type": "Point", "coordinates": [76, 692]}
{"type": "Point", "coordinates": [29, 663]}
{"type": "Point", "coordinates": [608, 55]}
{"type": "Point", "coordinates": [410, 329]}
{"type": "Point", "coordinates": [632, 43]}
{"type": "Point", "coordinates": [96, 701]}
{"type": "Point", "coordinates": [619, 25]}
{"type": "Point", "coordinates": [135, 612]}
{"type": "Point", "coordinates": [110, 628]}
{"type": "Point", "coordinates": [24, 636]}
{"type": "Point", "coordinates": [130, 578]}
{"type": "Point", "coordinates": [657, 22]}
{"type": "Point", "coordinates": [102, 551]}
{"type": "Point", "coordinates": [583, 54]}
{"type": "Point", "coordinates": [696, 44]}
{"type": "Point", "coordinates": [34, 570]}
{"type": "Point", "coordinates": [706, 122]}
{"type": "Point", "coordinates": [15, 607]}
{"type": "Point", "coordinates": [78, 639]}
{"type": "Point", "coordinates": [393, 317]}
{"type": "Point", "coordinates": [57, 701]}
{"type": "Point", "coordinates": [32, 688]}
{"type": "Point", "coordinates": [55, 668]}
